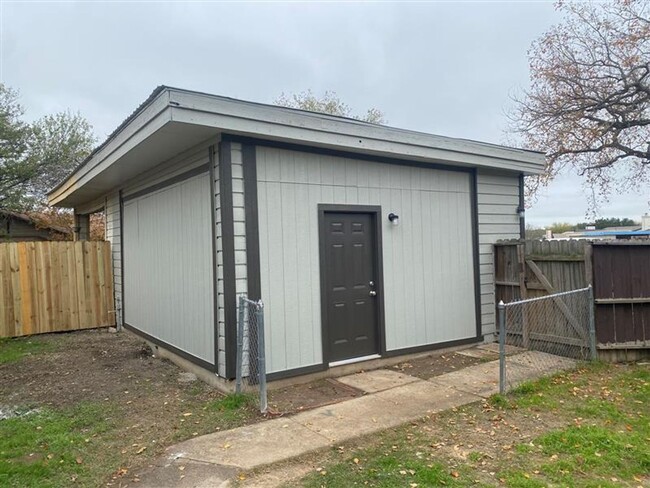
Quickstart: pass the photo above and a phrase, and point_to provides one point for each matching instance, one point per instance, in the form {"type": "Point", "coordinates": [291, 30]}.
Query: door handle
{"type": "Point", "coordinates": [372, 293]}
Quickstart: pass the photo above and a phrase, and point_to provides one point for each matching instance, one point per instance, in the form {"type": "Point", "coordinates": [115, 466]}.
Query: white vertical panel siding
{"type": "Point", "coordinates": [428, 260]}
{"type": "Point", "coordinates": [168, 281]}
{"type": "Point", "coordinates": [113, 231]}
{"type": "Point", "coordinates": [498, 199]}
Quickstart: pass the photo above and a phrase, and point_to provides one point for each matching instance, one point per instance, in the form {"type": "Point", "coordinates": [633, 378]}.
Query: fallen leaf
{"type": "Point", "coordinates": [79, 460]}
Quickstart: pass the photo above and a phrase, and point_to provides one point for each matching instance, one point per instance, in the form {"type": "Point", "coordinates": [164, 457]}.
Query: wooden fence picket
{"type": "Point", "coordinates": [55, 286]}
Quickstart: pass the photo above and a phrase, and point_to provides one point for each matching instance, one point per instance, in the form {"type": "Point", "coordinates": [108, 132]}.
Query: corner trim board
{"type": "Point", "coordinates": [476, 250]}
{"type": "Point", "coordinates": [522, 204]}
{"type": "Point", "coordinates": [215, 296]}
{"type": "Point", "coordinates": [122, 277]}
{"type": "Point", "coordinates": [254, 280]}
{"type": "Point", "coordinates": [228, 254]}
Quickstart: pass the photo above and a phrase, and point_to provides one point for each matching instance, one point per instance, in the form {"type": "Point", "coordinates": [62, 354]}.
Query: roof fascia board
{"type": "Point", "coordinates": [344, 127]}
{"type": "Point", "coordinates": [271, 130]}
{"type": "Point", "coordinates": [114, 152]}
{"type": "Point", "coordinates": [142, 120]}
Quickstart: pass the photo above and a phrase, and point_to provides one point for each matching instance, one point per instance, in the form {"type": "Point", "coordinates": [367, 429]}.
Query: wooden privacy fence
{"type": "Point", "coordinates": [618, 270]}
{"type": "Point", "coordinates": [55, 286]}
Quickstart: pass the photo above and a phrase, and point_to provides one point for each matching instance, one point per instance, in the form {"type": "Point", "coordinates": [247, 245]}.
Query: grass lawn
{"type": "Point", "coordinates": [100, 409]}
{"type": "Point", "coordinates": [587, 428]}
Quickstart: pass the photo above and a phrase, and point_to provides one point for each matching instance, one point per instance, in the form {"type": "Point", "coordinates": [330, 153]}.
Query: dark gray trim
{"type": "Point", "coordinates": [121, 203]}
{"type": "Point", "coordinates": [522, 205]}
{"type": "Point", "coordinates": [254, 280]}
{"type": "Point", "coordinates": [159, 342]}
{"type": "Point", "coordinates": [344, 154]}
{"type": "Point", "coordinates": [290, 373]}
{"type": "Point", "coordinates": [476, 251]}
{"type": "Point", "coordinates": [175, 179]}
{"type": "Point", "coordinates": [215, 300]}
{"type": "Point", "coordinates": [375, 211]}
{"type": "Point", "coordinates": [433, 347]}
{"type": "Point", "coordinates": [253, 275]}
{"type": "Point", "coordinates": [228, 256]}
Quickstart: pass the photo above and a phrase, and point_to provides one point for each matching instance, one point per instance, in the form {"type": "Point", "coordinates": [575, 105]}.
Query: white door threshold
{"type": "Point", "coordinates": [354, 360]}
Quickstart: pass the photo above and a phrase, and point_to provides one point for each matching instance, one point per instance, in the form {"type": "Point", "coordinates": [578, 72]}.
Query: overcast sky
{"type": "Point", "coordinates": [445, 68]}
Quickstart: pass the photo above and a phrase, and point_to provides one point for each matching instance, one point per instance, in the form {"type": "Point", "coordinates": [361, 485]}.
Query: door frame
{"type": "Point", "coordinates": [375, 212]}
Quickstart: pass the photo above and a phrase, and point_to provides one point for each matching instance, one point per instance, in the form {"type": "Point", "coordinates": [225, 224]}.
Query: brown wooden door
{"type": "Point", "coordinates": [351, 285]}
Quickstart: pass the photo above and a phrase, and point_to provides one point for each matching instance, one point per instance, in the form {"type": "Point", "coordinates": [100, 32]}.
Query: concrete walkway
{"type": "Point", "coordinates": [392, 399]}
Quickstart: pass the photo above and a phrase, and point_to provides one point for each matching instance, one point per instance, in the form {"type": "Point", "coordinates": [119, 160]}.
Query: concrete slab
{"type": "Point", "coordinates": [418, 399]}
{"type": "Point", "coordinates": [383, 410]}
{"type": "Point", "coordinates": [184, 473]}
{"type": "Point", "coordinates": [352, 418]}
{"type": "Point", "coordinates": [377, 380]}
{"type": "Point", "coordinates": [395, 399]}
{"type": "Point", "coordinates": [253, 445]}
{"type": "Point", "coordinates": [481, 380]}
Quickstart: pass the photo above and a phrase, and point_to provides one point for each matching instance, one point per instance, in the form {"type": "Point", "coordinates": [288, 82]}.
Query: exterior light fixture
{"type": "Point", "coordinates": [394, 218]}
{"type": "Point", "coordinates": [521, 211]}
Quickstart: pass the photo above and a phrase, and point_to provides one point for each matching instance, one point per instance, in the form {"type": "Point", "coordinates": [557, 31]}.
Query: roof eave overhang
{"type": "Point", "coordinates": [223, 115]}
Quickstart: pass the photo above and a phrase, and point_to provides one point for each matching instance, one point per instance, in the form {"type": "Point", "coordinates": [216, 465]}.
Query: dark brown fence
{"type": "Point", "coordinates": [621, 276]}
{"type": "Point", "coordinates": [618, 270]}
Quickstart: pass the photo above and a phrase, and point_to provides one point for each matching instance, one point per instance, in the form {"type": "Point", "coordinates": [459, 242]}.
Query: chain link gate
{"type": "Point", "coordinates": [541, 332]}
{"type": "Point", "coordinates": [251, 357]}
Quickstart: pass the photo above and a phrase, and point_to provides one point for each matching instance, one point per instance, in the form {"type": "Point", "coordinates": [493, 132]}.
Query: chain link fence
{"type": "Point", "coordinates": [545, 335]}
{"type": "Point", "coordinates": [251, 359]}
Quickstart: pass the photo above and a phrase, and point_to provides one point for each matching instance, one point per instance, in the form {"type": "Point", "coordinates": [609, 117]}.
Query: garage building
{"type": "Point", "coordinates": [363, 241]}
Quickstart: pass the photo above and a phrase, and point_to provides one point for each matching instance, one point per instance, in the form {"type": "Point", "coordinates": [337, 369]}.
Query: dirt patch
{"type": "Point", "coordinates": [435, 365]}
{"type": "Point", "coordinates": [306, 396]}
{"type": "Point", "coordinates": [85, 366]}
{"type": "Point", "coordinates": [147, 403]}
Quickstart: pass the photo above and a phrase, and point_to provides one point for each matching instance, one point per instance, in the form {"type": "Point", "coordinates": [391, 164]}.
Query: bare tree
{"type": "Point", "coordinates": [329, 103]}
{"type": "Point", "coordinates": [588, 105]}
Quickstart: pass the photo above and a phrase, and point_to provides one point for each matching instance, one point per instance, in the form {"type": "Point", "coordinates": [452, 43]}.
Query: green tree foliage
{"type": "Point", "coordinates": [34, 157]}
{"type": "Point", "coordinates": [533, 232]}
{"type": "Point", "coordinates": [559, 227]}
{"type": "Point", "coordinates": [588, 105]}
{"type": "Point", "coordinates": [328, 103]}
{"type": "Point", "coordinates": [15, 168]}
{"type": "Point", "coordinates": [608, 222]}
{"type": "Point", "coordinates": [58, 144]}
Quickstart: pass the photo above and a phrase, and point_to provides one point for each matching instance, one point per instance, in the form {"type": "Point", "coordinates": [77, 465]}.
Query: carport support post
{"type": "Point", "coordinates": [240, 344]}
{"type": "Point", "coordinates": [81, 227]}
{"type": "Point", "coordinates": [592, 324]}
{"type": "Point", "coordinates": [502, 347]}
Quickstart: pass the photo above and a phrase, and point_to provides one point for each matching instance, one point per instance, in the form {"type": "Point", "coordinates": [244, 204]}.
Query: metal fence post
{"type": "Point", "coordinates": [592, 325]}
{"type": "Point", "coordinates": [502, 347]}
{"type": "Point", "coordinates": [261, 356]}
{"type": "Point", "coordinates": [240, 344]}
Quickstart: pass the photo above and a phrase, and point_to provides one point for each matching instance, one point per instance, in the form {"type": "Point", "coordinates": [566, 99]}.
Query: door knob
{"type": "Point", "coordinates": [372, 293]}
